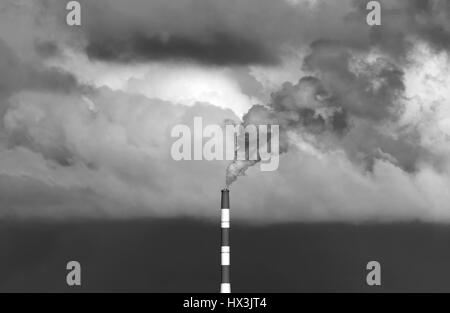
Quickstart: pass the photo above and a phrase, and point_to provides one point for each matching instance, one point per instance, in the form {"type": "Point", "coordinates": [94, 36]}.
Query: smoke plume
{"type": "Point", "coordinates": [345, 94]}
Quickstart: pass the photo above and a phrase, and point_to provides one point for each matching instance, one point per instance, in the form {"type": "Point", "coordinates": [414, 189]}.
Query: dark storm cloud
{"type": "Point", "coordinates": [253, 31]}
{"type": "Point", "coordinates": [248, 31]}
{"type": "Point", "coordinates": [209, 32]}
{"type": "Point", "coordinates": [220, 49]}
{"type": "Point", "coordinates": [144, 256]}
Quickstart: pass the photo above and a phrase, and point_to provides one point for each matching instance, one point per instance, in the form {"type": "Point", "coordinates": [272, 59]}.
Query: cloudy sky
{"type": "Point", "coordinates": [86, 112]}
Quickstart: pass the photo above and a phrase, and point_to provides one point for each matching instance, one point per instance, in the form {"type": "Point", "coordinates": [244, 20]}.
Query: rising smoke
{"type": "Point", "coordinates": [303, 107]}
{"type": "Point", "coordinates": [345, 94]}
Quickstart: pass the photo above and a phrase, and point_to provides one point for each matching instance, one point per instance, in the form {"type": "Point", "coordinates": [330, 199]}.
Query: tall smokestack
{"type": "Point", "coordinates": [225, 286]}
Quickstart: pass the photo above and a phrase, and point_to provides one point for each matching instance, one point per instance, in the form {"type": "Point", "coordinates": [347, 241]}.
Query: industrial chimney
{"type": "Point", "coordinates": [225, 286]}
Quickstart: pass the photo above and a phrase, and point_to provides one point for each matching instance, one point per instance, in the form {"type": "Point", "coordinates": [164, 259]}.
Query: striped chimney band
{"type": "Point", "coordinates": [225, 286]}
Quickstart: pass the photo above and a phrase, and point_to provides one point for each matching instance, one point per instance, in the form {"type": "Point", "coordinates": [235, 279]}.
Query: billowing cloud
{"type": "Point", "coordinates": [110, 146]}
{"type": "Point", "coordinates": [86, 115]}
